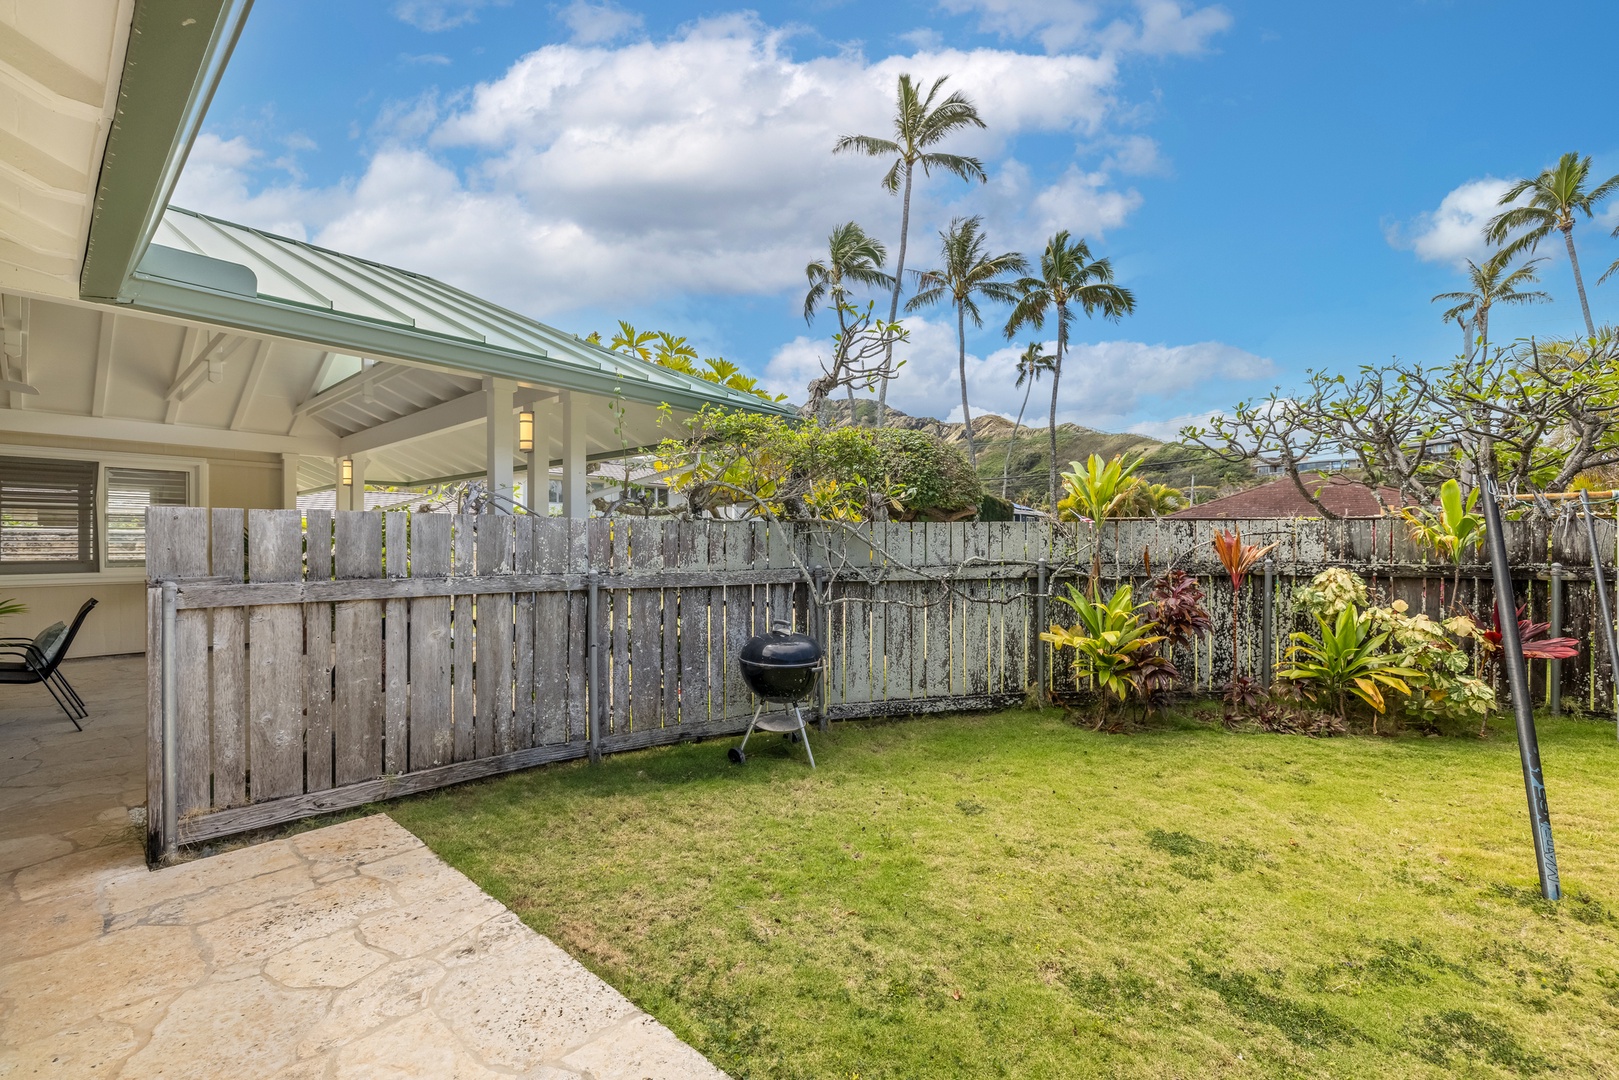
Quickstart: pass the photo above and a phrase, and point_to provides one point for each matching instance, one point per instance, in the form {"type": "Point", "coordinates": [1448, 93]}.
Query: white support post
{"type": "Point", "coordinates": [573, 456]}
{"type": "Point", "coordinates": [289, 481]}
{"type": "Point", "coordinates": [537, 488]}
{"type": "Point", "coordinates": [340, 494]}
{"type": "Point", "coordinates": [501, 442]}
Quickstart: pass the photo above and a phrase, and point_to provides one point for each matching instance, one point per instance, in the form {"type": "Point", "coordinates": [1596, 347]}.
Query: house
{"type": "Point", "coordinates": [1282, 499]}
{"type": "Point", "coordinates": [153, 355]}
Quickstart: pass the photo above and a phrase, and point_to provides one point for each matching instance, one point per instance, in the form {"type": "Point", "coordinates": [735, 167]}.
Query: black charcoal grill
{"type": "Point", "coordinates": [779, 667]}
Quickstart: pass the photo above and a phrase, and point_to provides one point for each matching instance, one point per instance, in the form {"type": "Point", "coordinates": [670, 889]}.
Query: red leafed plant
{"type": "Point", "coordinates": [1533, 644]}
{"type": "Point", "coordinates": [1238, 558]}
{"type": "Point", "coordinates": [1177, 608]}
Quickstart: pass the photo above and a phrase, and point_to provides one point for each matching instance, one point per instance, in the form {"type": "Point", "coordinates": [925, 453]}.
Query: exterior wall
{"type": "Point", "coordinates": [118, 624]}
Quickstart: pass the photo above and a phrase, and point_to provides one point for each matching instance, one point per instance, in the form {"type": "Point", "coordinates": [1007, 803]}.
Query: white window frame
{"type": "Point", "coordinates": [196, 483]}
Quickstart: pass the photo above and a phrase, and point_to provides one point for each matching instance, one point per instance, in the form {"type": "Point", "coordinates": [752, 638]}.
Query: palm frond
{"type": "Point", "coordinates": [869, 145]}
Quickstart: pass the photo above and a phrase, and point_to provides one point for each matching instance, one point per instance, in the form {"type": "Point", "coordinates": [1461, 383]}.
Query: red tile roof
{"type": "Point", "coordinates": [1281, 499]}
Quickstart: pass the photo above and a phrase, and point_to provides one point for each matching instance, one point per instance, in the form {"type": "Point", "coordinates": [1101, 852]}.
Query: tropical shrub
{"type": "Point", "coordinates": [1451, 531]}
{"type": "Point", "coordinates": [1330, 591]}
{"type": "Point", "coordinates": [800, 470]}
{"type": "Point", "coordinates": [1238, 558]}
{"type": "Point", "coordinates": [1114, 645]}
{"type": "Point", "coordinates": [1445, 690]}
{"type": "Point", "coordinates": [1347, 659]}
{"type": "Point", "coordinates": [1176, 608]}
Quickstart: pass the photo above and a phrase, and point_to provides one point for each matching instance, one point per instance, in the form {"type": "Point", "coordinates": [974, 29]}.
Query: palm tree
{"type": "Point", "coordinates": [1034, 361]}
{"type": "Point", "coordinates": [1492, 285]}
{"type": "Point", "coordinates": [918, 124]}
{"type": "Point", "coordinates": [968, 274]}
{"type": "Point", "coordinates": [1555, 196]}
{"type": "Point", "coordinates": [853, 257]}
{"type": "Point", "coordinates": [1068, 277]}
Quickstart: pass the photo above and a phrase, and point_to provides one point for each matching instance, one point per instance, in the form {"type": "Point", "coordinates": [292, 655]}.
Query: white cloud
{"type": "Point", "coordinates": [1104, 385]}
{"type": "Point", "coordinates": [697, 165]}
{"type": "Point", "coordinates": [595, 23]}
{"type": "Point", "coordinates": [1169, 430]}
{"type": "Point", "coordinates": [1158, 27]}
{"type": "Point", "coordinates": [436, 15]}
{"type": "Point", "coordinates": [434, 59]}
{"type": "Point", "coordinates": [1455, 231]}
{"type": "Point", "coordinates": [219, 179]}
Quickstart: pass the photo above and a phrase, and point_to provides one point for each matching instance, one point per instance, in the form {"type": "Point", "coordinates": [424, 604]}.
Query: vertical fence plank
{"type": "Point", "coordinates": [275, 649]}
{"type": "Point", "coordinates": [463, 735]}
{"type": "Point", "coordinates": [319, 755]}
{"type": "Point", "coordinates": [492, 649]}
{"type": "Point", "coordinates": [738, 618]}
{"type": "Point", "coordinates": [429, 702]}
{"type": "Point", "coordinates": [554, 644]}
{"type": "Point", "coordinates": [230, 688]}
{"type": "Point", "coordinates": [396, 648]}
{"type": "Point", "coordinates": [358, 713]}
{"type": "Point", "coordinates": [696, 627]}
{"type": "Point", "coordinates": [593, 547]}
{"type": "Point", "coordinates": [646, 628]}
{"type": "Point", "coordinates": [676, 546]}
{"type": "Point", "coordinates": [525, 560]}
{"type": "Point", "coordinates": [191, 663]}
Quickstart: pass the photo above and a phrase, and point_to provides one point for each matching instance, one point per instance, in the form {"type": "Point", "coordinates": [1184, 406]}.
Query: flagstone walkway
{"type": "Point", "coordinates": [347, 951]}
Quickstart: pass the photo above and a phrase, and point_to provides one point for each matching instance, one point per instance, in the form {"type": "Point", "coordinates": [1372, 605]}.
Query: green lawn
{"type": "Point", "coordinates": [1010, 895]}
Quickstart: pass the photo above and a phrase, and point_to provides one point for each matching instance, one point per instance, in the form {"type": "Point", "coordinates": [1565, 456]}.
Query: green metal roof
{"type": "Point", "coordinates": [177, 51]}
{"type": "Point", "coordinates": [203, 268]}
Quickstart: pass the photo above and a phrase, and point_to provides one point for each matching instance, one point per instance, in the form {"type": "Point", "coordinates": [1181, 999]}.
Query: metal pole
{"type": "Point", "coordinates": [1267, 624]}
{"type": "Point", "coordinates": [1602, 605]}
{"type": "Point", "coordinates": [1554, 668]}
{"type": "Point", "coordinates": [1040, 628]}
{"type": "Point", "coordinates": [1534, 783]}
{"type": "Point", "coordinates": [171, 709]}
{"type": "Point", "coordinates": [594, 703]}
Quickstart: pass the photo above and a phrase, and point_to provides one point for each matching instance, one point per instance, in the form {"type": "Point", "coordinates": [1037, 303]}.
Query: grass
{"type": "Point", "coordinates": [1011, 895]}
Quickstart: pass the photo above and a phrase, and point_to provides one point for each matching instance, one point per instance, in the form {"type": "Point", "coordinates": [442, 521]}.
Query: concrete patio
{"type": "Point", "coordinates": [347, 951]}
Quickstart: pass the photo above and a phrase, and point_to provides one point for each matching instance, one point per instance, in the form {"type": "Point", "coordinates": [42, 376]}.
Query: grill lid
{"type": "Point", "coordinates": [781, 648]}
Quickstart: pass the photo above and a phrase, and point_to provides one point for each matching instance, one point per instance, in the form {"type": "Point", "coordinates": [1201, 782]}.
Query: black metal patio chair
{"type": "Point", "coordinates": [26, 660]}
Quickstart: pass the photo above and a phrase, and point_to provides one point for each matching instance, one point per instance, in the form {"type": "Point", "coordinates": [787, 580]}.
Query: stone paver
{"type": "Point", "coordinates": [347, 951]}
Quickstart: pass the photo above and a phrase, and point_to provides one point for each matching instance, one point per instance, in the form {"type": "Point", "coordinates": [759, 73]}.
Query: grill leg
{"type": "Point", "coordinates": [803, 734]}
{"type": "Point", "coordinates": [757, 710]}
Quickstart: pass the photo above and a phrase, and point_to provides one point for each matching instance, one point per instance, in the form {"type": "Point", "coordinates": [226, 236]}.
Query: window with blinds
{"type": "Point", "coordinates": [47, 516]}
{"type": "Point", "coordinates": [129, 493]}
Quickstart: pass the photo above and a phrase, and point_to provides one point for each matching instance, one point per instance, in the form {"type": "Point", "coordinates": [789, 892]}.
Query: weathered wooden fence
{"type": "Point", "coordinates": [318, 662]}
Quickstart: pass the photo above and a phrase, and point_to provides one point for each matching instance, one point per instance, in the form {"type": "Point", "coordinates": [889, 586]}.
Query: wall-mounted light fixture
{"type": "Point", "coordinates": [525, 431]}
{"type": "Point", "coordinates": [348, 472]}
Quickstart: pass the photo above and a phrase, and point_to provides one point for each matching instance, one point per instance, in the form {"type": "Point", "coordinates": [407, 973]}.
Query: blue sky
{"type": "Point", "coordinates": [1284, 185]}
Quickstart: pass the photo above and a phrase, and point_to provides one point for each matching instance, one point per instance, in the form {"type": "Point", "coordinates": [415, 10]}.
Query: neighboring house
{"type": "Point", "coordinates": [154, 355]}
{"type": "Point", "coordinates": [1282, 499]}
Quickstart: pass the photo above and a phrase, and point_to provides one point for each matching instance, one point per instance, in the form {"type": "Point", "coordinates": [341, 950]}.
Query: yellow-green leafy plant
{"type": "Point", "coordinates": [1451, 531]}
{"type": "Point", "coordinates": [1347, 658]}
{"type": "Point", "coordinates": [1096, 491]}
{"type": "Point", "coordinates": [1114, 645]}
{"type": "Point", "coordinates": [1330, 591]}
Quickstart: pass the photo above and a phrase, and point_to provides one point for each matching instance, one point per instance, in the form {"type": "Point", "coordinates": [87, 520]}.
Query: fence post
{"type": "Point", "coordinates": [1267, 623]}
{"type": "Point", "coordinates": [1601, 577]}
{"type": "Point", "coordinates": [593, 694]}
{"type": "Point", "coordinates": [1554, 668]}
{"type": "Point", "coordinates": [1039, 628]}
{"type": "Point", "coordinates": [818, 612]}
{"type": "Point", "coordinates": [171, 751]}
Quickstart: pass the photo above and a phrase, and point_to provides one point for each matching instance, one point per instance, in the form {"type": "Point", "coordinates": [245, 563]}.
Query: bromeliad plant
{"type": "Point", "coordinates": [1347, 658]}
{"type": "Point", "coordinates": [1114, 646]}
